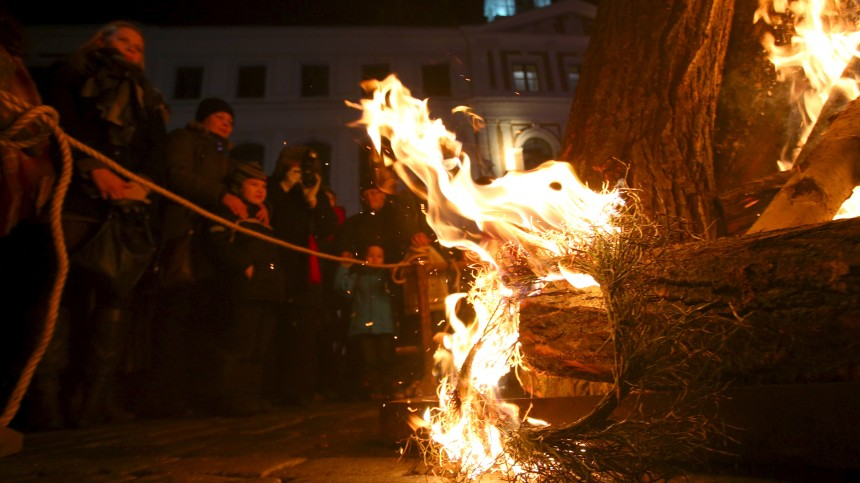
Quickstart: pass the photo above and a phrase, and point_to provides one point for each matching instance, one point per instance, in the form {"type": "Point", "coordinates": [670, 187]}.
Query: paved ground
{"type": "Point", "coordinates": [328, 442]}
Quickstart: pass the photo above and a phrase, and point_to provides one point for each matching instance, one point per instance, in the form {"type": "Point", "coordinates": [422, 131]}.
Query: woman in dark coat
{"type": "Point", "coordinates": [104, 100]}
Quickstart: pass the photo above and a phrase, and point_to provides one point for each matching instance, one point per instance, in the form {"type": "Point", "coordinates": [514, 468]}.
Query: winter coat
{"type": "Point", "coordinates": [385, 228]}
{"type": "Point", "coordinates": [294, 221]}
{"type": "Point", "coordinates": [109, 105]}
{"type": "Point", "coordinates": [232, 251]}
{"type": "Point", "coordinates": [371, 300]}
{"type": "Point", "coordinates": [196, 168]}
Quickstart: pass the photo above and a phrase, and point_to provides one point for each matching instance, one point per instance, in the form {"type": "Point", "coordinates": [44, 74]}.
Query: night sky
{"type": "Point", "coordinates": [252, 12]}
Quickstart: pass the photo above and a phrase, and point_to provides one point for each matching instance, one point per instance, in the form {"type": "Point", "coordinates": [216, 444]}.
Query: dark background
{"type": "Point", "coordinates": [250, 12]}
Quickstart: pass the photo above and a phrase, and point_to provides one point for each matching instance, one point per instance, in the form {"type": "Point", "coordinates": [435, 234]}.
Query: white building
{"type": "Point", "coordinates": [290, 84]}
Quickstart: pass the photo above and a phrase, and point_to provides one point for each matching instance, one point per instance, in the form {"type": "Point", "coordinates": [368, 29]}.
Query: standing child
{"type": "Point", "coordinates": [251, 273]}
{"type": "Point", "coordinates": [371, 327]}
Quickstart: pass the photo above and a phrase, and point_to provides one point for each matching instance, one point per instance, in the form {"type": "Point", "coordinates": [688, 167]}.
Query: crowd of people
{"type": "Point", "coordinates": [254, 324]}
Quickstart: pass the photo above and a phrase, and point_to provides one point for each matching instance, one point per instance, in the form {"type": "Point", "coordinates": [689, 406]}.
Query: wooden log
{"type": "Point", "coordinates": [798, 289]}
{"type": "Point", "coordinates": [565, 331]}
{"type": "Point", "coordinates": [823, 182]}
{"type": "Point", "coordinates": [835, 104]}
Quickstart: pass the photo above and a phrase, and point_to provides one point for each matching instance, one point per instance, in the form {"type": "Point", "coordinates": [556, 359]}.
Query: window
{"type": "Point", "coordinates": [535, 152]}
{"type": "Point", "coordinates": [525, 77]}
{"type": "Point", "coordinates": [188, 83]}
{"type": "Point", "coordinates": [314, 80]}
{"type": "Point", "coordinates": [437, 80]}
{"type": "Point", "coordinates": [498, 8]}
{"type": "Point", "coordinates": [252, 81]}
{"type": "Point", "coordinates": [572, 77]}
{"type": "Point", "coordinates": [374, 71]}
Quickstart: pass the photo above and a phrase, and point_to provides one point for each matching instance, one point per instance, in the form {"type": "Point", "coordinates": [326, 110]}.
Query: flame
{"type": "Point", "coordinates": [824, 41]}
{"type": "Point", "coordinates": [541, 214]}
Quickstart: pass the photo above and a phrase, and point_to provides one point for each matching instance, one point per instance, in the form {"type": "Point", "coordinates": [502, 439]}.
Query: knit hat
{"type": "Point", "coordinates": [210, 106]}
{"type": "Point", "coordinates": [243, 171]}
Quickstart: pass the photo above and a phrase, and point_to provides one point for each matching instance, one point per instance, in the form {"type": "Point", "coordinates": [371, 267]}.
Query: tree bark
{"type": "Point", "coordinates": [797, 289]}
{"type": "Point", "coordinates": [647, 102]}
{"type": "Point", "coordinates": [754, 109]}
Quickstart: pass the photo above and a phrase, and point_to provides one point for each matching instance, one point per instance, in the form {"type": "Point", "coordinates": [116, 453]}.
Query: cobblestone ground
{"type": "Point", "coordinates": [326, 442]}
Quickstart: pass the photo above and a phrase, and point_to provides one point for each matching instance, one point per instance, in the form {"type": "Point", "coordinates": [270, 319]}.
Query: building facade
{"type": "Point", "coordinates": [291, 85]}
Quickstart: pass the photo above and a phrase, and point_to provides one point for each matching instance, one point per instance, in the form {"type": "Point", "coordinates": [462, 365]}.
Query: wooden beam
{"type": "Point", "coordinates": [798, 290]}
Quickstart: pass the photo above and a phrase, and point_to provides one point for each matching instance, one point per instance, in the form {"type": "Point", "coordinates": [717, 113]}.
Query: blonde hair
{"type": "Point", "coordinates": [99, 39]}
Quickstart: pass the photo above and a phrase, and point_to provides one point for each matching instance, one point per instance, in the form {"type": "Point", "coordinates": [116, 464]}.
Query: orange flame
{"type": "Point", "coordinates": [542, 214]}
{"type": "Point", "coordinates": [825, 41]}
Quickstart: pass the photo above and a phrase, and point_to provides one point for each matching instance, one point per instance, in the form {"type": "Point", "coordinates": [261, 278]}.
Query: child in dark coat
{"type": "Point", "coordinates": [372, 327]}
{"type": "Point", "coordinates": [250, 272]}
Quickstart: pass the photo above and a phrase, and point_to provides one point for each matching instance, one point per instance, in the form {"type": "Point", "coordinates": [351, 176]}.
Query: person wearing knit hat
{"type": "Point", "coordinates": [198, 168]}
{"type": "Point", "coordinates": [251, 274]}
{"type": "Point", "coordinates": [210, 106]}
{"type": "Point", "coordinates": [244, 171]}
{"type": "Point", "coordinates": [216, 116]}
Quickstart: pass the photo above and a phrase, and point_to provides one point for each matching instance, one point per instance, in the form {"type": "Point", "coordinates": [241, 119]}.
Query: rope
{"type": "Point", "coordinates": [44, 116]}
{"type": "Point", "coordinates": [46, 120]}
{"type": "Point", "coordinates": [415, 255]}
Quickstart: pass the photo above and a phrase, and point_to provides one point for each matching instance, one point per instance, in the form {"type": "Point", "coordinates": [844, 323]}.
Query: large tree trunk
{"type": "Point", "coordinates": [647, 102]}
{"type": "Point", "coordinates": [797, 289]}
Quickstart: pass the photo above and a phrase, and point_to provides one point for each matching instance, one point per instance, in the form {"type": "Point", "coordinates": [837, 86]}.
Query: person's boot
{"type": "Point", "coordinates": [42, 401]}
{"type": "Point", "coordinates": [108, 342]}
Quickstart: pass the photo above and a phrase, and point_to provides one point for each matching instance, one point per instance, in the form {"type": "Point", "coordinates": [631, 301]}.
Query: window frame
{"type": "Point", "coordinates": [308, 89]}
{"type": "Point", "coordinates": [194, 86]}
{"type": "Point", "coordinates": [427, 73]}
{"type": "Point", "coordinates": [530, 72]}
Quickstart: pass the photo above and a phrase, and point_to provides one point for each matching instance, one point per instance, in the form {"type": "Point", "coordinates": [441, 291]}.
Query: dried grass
{"type": "Point", "coordinates": [674, 358]}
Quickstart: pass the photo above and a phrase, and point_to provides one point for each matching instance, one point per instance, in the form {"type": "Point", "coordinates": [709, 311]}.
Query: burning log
{"type": "Point", "coordinates": [825, 180]}
{"type": "Point", "coordinates": [797, 290]}
{"type": "Point", "coordinates": [565, 331]}
{"type": "Point", "coordinates": [836, 103]}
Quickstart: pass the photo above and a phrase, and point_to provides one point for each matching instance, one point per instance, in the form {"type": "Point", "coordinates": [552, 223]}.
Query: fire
{"type": "Point", "coordinates": [824, 41]}
{"type": "Point", "coordinates": [542, 214]}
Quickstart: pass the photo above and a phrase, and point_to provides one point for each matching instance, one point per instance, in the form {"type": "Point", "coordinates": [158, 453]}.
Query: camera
{"type": "Point", "coordinates": [310, 165]}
